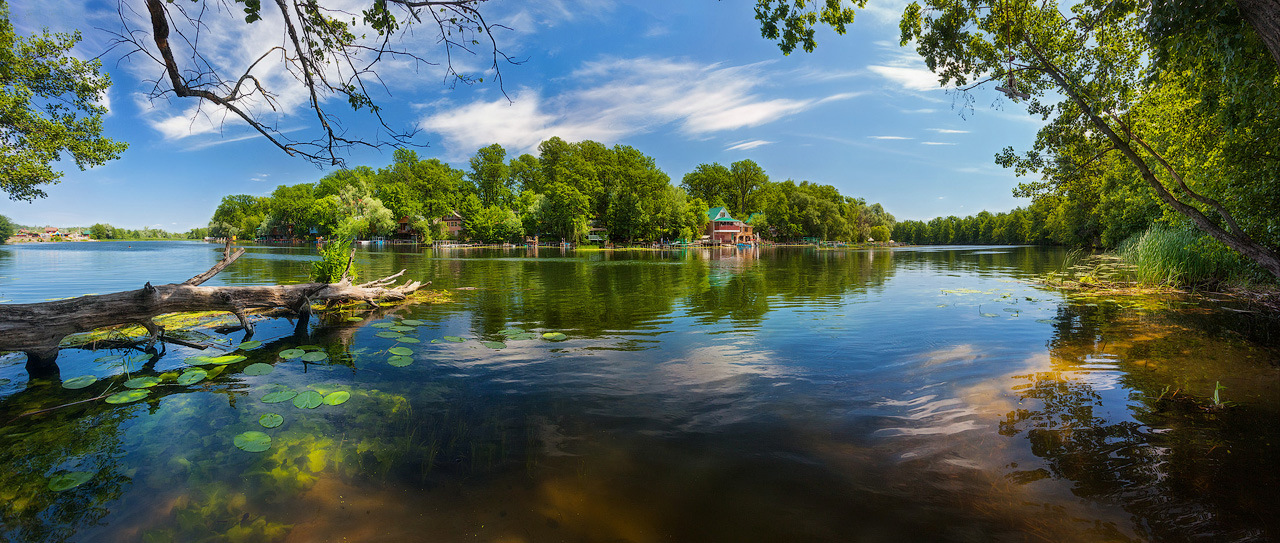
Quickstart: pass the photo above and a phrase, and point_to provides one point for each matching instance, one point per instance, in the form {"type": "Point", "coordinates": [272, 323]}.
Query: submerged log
{"type": "Point", "coordinates": [38, 329]}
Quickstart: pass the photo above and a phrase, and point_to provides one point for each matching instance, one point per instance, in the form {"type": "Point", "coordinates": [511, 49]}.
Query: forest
{"type": "Point", "coordinates": [566, 191]}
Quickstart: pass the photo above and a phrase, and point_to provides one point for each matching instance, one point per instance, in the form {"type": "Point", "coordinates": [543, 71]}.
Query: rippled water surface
{"type": "Point", "coordinates": [775, 395]}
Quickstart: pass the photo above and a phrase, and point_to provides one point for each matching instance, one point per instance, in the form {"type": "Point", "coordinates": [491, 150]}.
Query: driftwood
{"type": "Point", "coordinates": [38, 329]}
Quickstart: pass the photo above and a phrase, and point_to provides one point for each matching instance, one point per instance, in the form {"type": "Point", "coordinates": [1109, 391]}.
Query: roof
{"type": "Point", "coordinates": [719, 214]}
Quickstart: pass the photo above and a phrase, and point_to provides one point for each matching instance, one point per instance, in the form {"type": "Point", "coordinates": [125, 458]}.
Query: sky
{"type": "Point", "coordinates": [687, 82]}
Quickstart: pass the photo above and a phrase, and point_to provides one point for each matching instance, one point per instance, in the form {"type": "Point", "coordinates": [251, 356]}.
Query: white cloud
{"type": "Point", "coordinates": [889, 137]}
{"type": "Point", "coordinates": [905, 69]}
{"type": "Point", "coordinates": [746, 145]}
{"type": "Point", "coordinates": [947, 131]}
{"type": "Point", "coordinates": [612, 98]}
{"type": "Point", "coordinates": [935, 143]}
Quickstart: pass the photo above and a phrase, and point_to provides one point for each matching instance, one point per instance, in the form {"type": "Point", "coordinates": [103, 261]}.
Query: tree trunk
{"type": "Point", "coordinates": [1264, 17]}
{"type": "Point", "coordinates": [37, 329]}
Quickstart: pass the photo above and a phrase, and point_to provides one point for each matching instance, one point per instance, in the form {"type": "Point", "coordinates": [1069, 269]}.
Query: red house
{"type": "Point", "coordinates": [721, 228]}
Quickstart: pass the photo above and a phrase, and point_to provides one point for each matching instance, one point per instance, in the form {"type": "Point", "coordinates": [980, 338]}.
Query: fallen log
{"type": "Point", "coordinates": [38, 329]}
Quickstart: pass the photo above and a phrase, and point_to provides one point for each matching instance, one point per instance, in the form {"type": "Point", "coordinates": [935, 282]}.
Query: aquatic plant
{"type": "Point", "coordinates": [1183, 257]}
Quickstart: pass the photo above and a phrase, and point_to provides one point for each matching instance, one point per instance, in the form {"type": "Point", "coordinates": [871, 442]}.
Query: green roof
{"type": "Point", "coordinates": [715, 212]}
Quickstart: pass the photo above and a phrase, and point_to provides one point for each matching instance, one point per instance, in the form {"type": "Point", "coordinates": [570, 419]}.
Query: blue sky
{"type": "Point", "coordinates": [686, 82]}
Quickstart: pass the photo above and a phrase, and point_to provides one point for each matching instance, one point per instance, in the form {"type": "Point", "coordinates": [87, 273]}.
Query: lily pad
{"type": "Point", "coordinates": [408, 340]}
{"type": "Point", "coordinates": [127, 396]}
{"type": "Point", "coordinates": [290, 354]}
{"type": "Point", "coordinates": [198, 360]}
{"type": "Point", "coordinates": [69, 480]}
{"type": "Point", "coordinates": [494, 344]}
{"type": "Point", "coordinates": [437, 341]}
{"type": "Point", "coordinates": [400, 351]}
{"type": "Point", "coordinates": [315, 356]}
{"type": "Point", "coordinates": [354, 319]}
{"type": "Point", "coordinates": [454, 339]}
{"type": "Point", "coordinates": [402, 328]}
{"type": "Point", "coordinates": [400, 361]}
{"type": "Point", "coordinates": [145, 381]}
{"type": "Point", "coordinates": [389, 334]}
{"type": "Point", "coordinates": [337, 398]}
{"type": "Point", "coordinates": [311, 347]}
{"type": "Point", "coordinates": [512, 332]}
{"type": "Point", "coordinates": [412, 322]}
{"type": "Point", "coordinates": [554, 336]}
{"type": "Point", "coordinates": [191, 377]}
{"type": "Point", "coordinates": [79, 382]}
{"type": "Point", "coordinates": [253, 441]}
{"type": "Point", "coordinates": [258, 369]}
{"type": "Point", "coordinates": [227, 359]}
{"type": "Point", "coordinates": [140, 357]}
{"type": "Point", "coordinates": [383, 324]}
{"type": "Point", "coordinates": [270, 420]}
{"type": "Point", "coordinates": [278, 396]}
{"type": "Point", "coordinates": [109, 358]}
{"type": "Point", "coordinates": [308, 400]}
{"type": "Point", "coordinates": [250, 345]}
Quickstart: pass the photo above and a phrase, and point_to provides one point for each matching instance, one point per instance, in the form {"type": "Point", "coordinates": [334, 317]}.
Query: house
{"type": "Point", "coordinates": [722, 228]}
{"type": "Point", "coordinates": [404, 228]}
{"type": "Point", "coordinates": [452, 224]}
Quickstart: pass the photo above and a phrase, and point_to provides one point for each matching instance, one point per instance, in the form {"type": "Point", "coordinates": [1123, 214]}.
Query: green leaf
{"type": "Point", "coordinates": [337, 398]}
{"type": "Point", "coordinates": [400, 361]}
{"type": "Point", "coordinates": [79, 382]}
{"type": "Point", "coordinates": [354, 319]}
{"type": "Point", "coordinates": [145, 381]}
{"type": "Point", "coordinates": [250, 345]}
{"type": "Point", "coordinates": [290, 354]}
{"type": "Point", "coordinates": [283, 394]}
{"type": "Point", "coordinates": [69, 480]}
{"type": "Point", "coordinates": [311, 347]}
{"type": "Point", "coordinates": [402, 328]}
{"type": "Point", "coordinates": [382, 324]}
{"type": "Point", "coordinates": [408, 340]}
{"type": "Point", "coordinates": [258, 369]}
{"type": "Point", "coordinates": [308, 400]}
{"type": "Point", "coordinates": [454, 339]}
{"type": "Point", "coordinates": [412, 322]}
{"type": "Point", "coordinates": [554, 336]}
{"type": "Point", "coordinates": [199, 360]}
{"type": "Point", "coordinates": [109, 358]}
{"type": "Point", "coordinates": [227, 359]}
{"type": "Point", "coordinates": [253, 441]}
{"type": "Point", "coordinates": [315, 356]}
{"type": "Point", "coordinates": [192, 376]}
{"type": "Point", "coordinates": [128, 396]}
{"type": "Point", "coordinates": [400, 351]}
{"type": "Point", "coordinates": [270, 420]}
{"type": "Point", "coordinates": [389, 334]}
{"type": "Point", "coordinates": [494, 344]}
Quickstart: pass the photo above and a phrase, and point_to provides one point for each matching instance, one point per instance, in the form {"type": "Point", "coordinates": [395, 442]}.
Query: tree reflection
{"type": "Point", "coordinates": [1108, 417]}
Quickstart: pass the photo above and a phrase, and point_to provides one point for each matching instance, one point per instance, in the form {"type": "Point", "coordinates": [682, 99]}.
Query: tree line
{"type": "Point", "coordinates": [564, 193]}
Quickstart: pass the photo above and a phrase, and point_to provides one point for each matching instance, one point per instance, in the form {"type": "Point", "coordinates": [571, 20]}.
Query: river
{"type": "Point", "coordinates": [914, 394]}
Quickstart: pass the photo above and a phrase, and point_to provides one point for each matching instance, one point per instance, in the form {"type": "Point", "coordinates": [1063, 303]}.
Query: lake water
{"type": "Point", "coordinates": [917, 394]}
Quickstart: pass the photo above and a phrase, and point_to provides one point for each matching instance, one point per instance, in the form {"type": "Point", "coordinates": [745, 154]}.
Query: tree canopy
{"type": "Point", "coordinates": [50, 107]}
{"type": "Point", "coordinates": [1180, 97]}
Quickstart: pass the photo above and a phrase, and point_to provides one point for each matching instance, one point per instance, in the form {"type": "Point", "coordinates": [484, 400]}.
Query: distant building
{"type": "Point", "coordinates": [452, 224]}
{"type": "Point", "coordinates": [722, 228]}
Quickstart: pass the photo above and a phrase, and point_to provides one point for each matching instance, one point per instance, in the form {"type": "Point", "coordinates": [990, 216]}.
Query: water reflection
{"type": "Point", "coordinates": [699, 395]}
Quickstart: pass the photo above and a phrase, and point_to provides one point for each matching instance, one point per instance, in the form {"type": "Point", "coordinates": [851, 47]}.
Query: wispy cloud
{"type": "Point", "coordinates": [745, 145]}
{"type": "Point", "coordinates": [903, 68]}
{"type": "Point", "coordinates": [613, 97]}
{"type": "Point", "coordinates": [935, 143]}
{"type": "Point", "coordinates": [889, 137]}
{"type": "Point", "coordinates": [947, 131]}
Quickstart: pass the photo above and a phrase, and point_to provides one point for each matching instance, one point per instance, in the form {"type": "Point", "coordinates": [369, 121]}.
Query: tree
{"type": "Point", "coordinates": [745, 178]}
{"type": "Point", "coordinates": [708, 182]}
{"type": "Point", "coordinates": [1109, 62]}
{"type": "Point", "coordinates": [327, 52]}
{"type": "Point", "coordinates": [490, 175]}
{"type": "Point", "coordinates": [100, 231]}
{"type": "Point", "coordinates": [6, 229]}
{"type": "Point", "coordinates": [49, 108]}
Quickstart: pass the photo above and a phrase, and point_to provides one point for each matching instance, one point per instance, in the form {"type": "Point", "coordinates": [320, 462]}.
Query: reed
{"type": "Point", "coordinates": [1170, 256]}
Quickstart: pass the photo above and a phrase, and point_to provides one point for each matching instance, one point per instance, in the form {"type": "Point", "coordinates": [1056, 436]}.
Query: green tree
{"type": "Point", "coordinates": [6, 229]}
{"type": "Point", "coordinates": [745, 179]}
{"type": "Point", "coordinates": [709, 183]}
{"type": "Point", "coordinates": [49, 108]}
{"type": "Point", "coordinates": [490, 176]}
{"type": "Point", "coordinates": [100, 231]}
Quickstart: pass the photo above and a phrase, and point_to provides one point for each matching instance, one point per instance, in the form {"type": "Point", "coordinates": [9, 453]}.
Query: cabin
{"type": "Point", "coordinates": [722, 228]}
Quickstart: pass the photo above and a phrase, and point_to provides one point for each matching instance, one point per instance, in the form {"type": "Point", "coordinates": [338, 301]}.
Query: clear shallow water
{"type": "Point", "coordinates": [916, 394]}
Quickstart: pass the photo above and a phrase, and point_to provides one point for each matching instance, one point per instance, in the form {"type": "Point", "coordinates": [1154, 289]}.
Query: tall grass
{"type": "Point", "coordinates": [1184, 256]}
